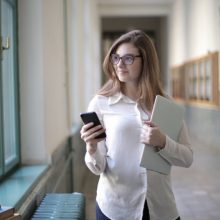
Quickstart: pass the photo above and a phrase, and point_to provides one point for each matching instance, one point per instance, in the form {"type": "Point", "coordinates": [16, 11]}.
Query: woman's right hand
{"type": "Point", "coordinates": [89, 134]}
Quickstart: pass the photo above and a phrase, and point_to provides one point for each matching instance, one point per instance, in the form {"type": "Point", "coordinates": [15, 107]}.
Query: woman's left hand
{"type": "Point", "coordinates": [152, 135]}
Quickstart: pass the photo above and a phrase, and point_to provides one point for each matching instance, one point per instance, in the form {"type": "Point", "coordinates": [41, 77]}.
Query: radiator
{"type": "Point", "coordinates": [68, 206]}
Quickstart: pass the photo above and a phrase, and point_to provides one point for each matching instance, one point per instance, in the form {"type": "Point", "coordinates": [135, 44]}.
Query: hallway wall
{"type": "Point", "coordinates": [84, 54]}
{"type": "Point", "coordinates": [204, 126]}
{"type": "Point", "coordinates": [43, 80]}
{"type": "Point", "coordinates": [59, 71]}
{"type": "Point", "coordinates": [194, 29]}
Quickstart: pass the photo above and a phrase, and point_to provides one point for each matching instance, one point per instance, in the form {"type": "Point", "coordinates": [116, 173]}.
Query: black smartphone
{"type": "Point", "coordinates": [88, 117]}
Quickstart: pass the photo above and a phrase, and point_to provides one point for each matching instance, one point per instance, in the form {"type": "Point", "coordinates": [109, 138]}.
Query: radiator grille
{"type": "Point", "coordinates": [61, 206]}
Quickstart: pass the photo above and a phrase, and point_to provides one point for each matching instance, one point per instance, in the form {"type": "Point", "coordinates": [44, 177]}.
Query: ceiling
{"type": "Point", "coordinates": [154, 2]}
{"type": "Point", "coordinates": [111, 8]}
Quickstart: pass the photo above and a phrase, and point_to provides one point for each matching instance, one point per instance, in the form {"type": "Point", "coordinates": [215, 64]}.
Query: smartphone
{"type": "Point", "coordinates": [88, 117]}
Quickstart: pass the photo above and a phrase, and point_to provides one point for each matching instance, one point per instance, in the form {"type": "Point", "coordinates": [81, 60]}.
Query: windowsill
{"type": "Point", "coordinates": [15, 188]}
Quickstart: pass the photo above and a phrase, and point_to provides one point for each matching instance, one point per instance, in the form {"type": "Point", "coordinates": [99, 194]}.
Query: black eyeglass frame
{"type": "Point", "coordinates": [123, 58]}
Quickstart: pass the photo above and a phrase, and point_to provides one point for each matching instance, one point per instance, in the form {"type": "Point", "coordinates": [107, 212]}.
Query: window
{"type": "Point", "coordinates": [197, 80]}
{"type": "Point", "coordinates": [9, 123]}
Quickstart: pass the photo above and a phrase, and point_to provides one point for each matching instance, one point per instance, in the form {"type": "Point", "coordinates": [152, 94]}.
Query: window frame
{"type": "Point", "coordinates": [6, 168]}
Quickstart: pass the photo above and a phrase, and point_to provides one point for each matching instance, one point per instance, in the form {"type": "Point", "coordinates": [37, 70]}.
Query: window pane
{"type": "Point", "coordinates": [9, 84]}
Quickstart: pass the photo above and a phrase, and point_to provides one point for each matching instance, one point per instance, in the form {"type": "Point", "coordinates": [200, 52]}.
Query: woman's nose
{"type": "Point", "coordinates": [121, 63]}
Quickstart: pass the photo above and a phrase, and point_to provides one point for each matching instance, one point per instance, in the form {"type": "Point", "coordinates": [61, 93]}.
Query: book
{"type": "Point", "coordinates": [168, 115]}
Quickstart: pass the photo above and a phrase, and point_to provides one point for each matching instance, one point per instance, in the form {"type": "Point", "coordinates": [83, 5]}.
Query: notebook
{"type": "Point", "coordinates": [168, 115]}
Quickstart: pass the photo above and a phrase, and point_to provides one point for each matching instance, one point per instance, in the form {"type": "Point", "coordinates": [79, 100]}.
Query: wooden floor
{"type": "Point", "coordinates": [196, 188]}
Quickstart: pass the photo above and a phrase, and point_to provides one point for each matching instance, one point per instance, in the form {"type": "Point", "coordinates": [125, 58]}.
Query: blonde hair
{"type": "Point", "coordinates": [149, 82]}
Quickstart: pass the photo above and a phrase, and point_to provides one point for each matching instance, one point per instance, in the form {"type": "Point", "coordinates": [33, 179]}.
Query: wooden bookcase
{"type": "Point", "coordinates": [197, 80]}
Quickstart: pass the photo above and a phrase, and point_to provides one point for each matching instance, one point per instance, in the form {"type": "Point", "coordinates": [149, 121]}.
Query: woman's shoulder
{"type": "Point", "coordinates": [99, 98]}
{"type": "Point", "coordinates": [98, 102]}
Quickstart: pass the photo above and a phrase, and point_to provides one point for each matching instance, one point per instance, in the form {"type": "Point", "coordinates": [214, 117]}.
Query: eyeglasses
{"type": "Point", "coordinates": [127, 59]}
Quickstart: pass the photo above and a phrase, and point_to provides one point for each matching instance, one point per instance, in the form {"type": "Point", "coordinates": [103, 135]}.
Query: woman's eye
{"type": "Point", "coordinates": [128, 58]}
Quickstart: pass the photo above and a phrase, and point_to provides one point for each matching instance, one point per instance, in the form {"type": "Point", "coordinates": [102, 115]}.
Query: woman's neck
{"type": "Point", "coordinates": [132, 92]}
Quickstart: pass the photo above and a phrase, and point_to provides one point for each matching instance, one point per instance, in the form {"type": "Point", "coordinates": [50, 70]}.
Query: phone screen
{"type": "Point", "coordinates": [88, 117]}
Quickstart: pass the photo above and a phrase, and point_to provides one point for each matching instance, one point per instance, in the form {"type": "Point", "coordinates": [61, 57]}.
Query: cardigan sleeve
{"type": "Point", "coordinates": [178, 153]}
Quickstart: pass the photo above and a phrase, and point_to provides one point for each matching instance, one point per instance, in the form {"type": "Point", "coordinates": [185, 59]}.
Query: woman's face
{"type": "Point", "coordinates": [128, 73]}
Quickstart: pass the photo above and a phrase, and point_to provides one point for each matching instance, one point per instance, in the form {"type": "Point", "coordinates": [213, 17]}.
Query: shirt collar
{"type": "Point", "coordinates": [118, 97]}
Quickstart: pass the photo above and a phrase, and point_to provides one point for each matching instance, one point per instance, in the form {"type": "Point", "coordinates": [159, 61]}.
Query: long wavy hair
{"type": "Point", "coordinates": [149, 84]}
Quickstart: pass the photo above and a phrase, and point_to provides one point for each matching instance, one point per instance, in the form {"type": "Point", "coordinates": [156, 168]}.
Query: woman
{"type": "Point", "coordinates": [125, 190]}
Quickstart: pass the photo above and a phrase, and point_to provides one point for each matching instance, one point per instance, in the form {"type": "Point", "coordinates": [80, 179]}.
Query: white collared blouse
{"type": "Point", "coordinates": [123, 185]}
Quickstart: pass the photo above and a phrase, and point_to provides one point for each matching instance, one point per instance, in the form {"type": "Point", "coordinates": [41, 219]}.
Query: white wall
{"type": "Point", "coordinates": [31, 81]}
{"type": "Point", "coordinates": [60, 71]}
{"type": "Point", "coordinates": [202, 27]}
{"type": "Point", "coordinates": [43, 85]}
{"type": "Point", "coordinates": [194, 29]}
{"type": "Point", "coordinates": [55, 74]}
{"type": "Point", "coordinates": [177, 33]}
{"type": "Point", "coordinates": [86, 58]}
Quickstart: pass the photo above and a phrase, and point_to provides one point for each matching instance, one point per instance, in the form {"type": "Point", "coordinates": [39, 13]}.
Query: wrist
{"type": "Point", "coordinates": [91, 149]}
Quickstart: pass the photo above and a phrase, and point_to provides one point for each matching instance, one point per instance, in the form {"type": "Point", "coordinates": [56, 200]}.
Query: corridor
{"type": "Point", "coordinates": [196, 189]}
{"type": "Point", "coordinates": [51, 56]}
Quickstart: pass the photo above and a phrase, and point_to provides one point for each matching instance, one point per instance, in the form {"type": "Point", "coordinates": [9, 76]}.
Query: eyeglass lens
{"type": "Point", "coordinates": [126, 59]}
